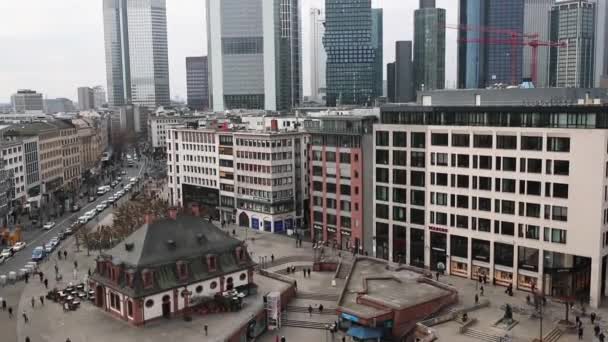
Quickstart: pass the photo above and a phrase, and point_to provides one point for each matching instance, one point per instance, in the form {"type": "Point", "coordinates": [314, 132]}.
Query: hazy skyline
{"type": "Point", "coordinates": [54, 47]}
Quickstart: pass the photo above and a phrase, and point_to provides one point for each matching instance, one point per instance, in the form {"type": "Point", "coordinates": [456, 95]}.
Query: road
{"type": "Point", "coordinates": [41, 237]}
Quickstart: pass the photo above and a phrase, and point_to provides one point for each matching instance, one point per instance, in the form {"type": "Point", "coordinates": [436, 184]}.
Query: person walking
{"type": "Point", "coordinates": [42, 300]}
{"type": "Point", "coordinates": [206, 330]}
{"type": "Point", "coordinates": [476, 299]}
{"type": "Point", "coordinates": [65, 255]}
{"type": "Point", "coordinates": [580, 332]}
{"type": "Point", "coordinates": [592, 317]}
{"type": "Point", "coordinates": [27, 339]}
{"type": "Point", "coordinates": [41, 276]}
{"type": "Point", "coordinates": [309, 310]}
{"type": "Point", "coordinates": [3, 304]}
{"type": "Point", "coordinates": [320, 308]}
{"type": "Point", "coordinates": [304, 272]}
{"type": "Point", "coordinates": [46, 283]}
{"type": "Point", "coordinates": [601, 337]}
{"type": "Point", "coordinates": [272, 258]}
{"type": "Point", "coordinates": [10, 312]}
{"type": "Point", "coordinates": [25, 318]}
{"type": "Point", "coordinates": [481, 290]}
{"type": "Point", "coordinates": [56, 269]}
{"type": "Point", "coordinates": [596, 330]}
{"type": "Point", "coordinates": [27, 278]}
{"type": "Point", "coordinates": [33, 302]}
{"type": "Point", "coordinates": [75, 264]}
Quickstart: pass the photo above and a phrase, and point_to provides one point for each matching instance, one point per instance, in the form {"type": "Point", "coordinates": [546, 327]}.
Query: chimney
{"type": "Point", "coordinates": [149, 218]}
{"type": "Point", "coordinates": [195, 209]}
{"type": "Point", "coordinates": [173, 213]}
{"type": "Point", "coordinates": [274, 125]}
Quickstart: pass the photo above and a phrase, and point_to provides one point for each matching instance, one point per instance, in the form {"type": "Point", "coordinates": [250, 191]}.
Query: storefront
{"type": "Point", "coordinates": [399, 243]}
{"type": "Point", "coordinates": [345, 239]}
{"type": "Point", "coordinates": [332, 235]}
{"type": "Point", "coordinates": [317, 231]}
{"type": "Point", "coordinates": [438, 249]}
{"type": "Point", "coordinates": [459, 267]}
{"type": "Point", "coordinates": [503, 264]}
{"type": "Point", "coordinates": [459, 250]}
{"type": "Point", "coordinates": [417, 247]}
{"type": "Point", "coordinates": [480, 250]}
{"type": "Point", "coordinates": [527, 268]}
{"type": "Point", "coordinates": [566, 275]}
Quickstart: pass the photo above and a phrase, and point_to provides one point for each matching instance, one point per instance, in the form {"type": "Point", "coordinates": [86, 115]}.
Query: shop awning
{"type": "Point", "coordinates": [364, 333]}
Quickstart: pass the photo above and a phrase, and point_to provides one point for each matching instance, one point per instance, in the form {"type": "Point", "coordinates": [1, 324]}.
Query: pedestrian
{"type": "Point", "coordinates": [476, 299]}
{"type": "Point", "coordinates": [59, 255]}
{"type": "Point", "coordinates": [56, 269]}
{"type": "Point", "coordinates": [206, 330]}
{"type": "Point", "coordinates": [320, 308]}
{"type": "Point", "coordinates": [304, 272]}
{"type": "Point", "coordinates": [602, 337]}
{"type": "Point", "coordinates": [46, 283]}
{"type": "Point", "coordinates": [3, 304]}
{"type": "Point", "coordinates": [10, 312]}
{"type": "Point", "coordinates": [42, 300]}
{"type": "Point", "coordinates": [580, 332]}
{"type": "Point", "coordinates": [283, 339]}
{"type": "Point", "coordinates": [577, 320]}
{"type": "Point", "coordinates": [75, 264]}
{"type": "Point", "coordinates": [596, 330]}
{"type": "Point", "coordinates": [272, 258]}
{"type": "Point", "coordinates": [309, 310]}
{"type": "Point", "coordinates": [89, 272]}
{"type": "Point", "coordinates": [481, 290]}
{"type": "Point", "coordinates": [41, 276]}
{"type": "Point", "coordinates": [343, 338]}
{"type": "Point", "coordinates": [592, 317]}
{"type": "Point", "coordinates": [33, 302]}
{"type": "Point", "coordinates": [437, 275]}
{"type": "Point", "coordinates": [27, 278]}
{"type": "Point", "coordinates": [234, 232]}
{"type": "Point", "coordinates": [27, 339]}
{"type": "Point", "coordinates": [65, 255]}
{"type": "Point", "coordinates": [68, 340]}
{"type": "Point", "coordinates": [480, 278]}
{"type": "Point", "coordinates": [309, 273]}
{"type": "Point", "coordinates": [25, 318]}
{"type": "Point", "coordinates": [485, 278]}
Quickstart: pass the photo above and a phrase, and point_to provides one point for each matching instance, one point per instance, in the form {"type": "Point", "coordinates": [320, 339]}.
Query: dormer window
{"type": "Point", "coordinates": [240, 254]}
{"type": "Point", "coordinates": [182, 270]}
{"type": "Point", "coordinates": [147, 278]}
{"type": "Point", "coordinates": [212, 263]}
{"type": "Point", "coordinates": [130, 277]}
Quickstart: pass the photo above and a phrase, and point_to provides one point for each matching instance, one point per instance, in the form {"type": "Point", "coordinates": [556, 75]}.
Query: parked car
{"type": "Point", "coordinates": [91, 199]}
{"type": "Point", "coordinates": [68, 231]}
{"type": "Point", "coordinates": [48, 248]}
{"type": "Point", "coordinates": [100, 207]}
{"type": "Point", "coordinates": [75, 208]}
{"type": "Point", "coordinates": [83, 219]}
{"type": "Point", "coordinates": [2, 259]}
{"type": "Point", "coordinates": [7, 253]}
{"type": "Point", "coordinates": [49, 225]}
{"type": "Point", "coordinates": [19, 246]}
{"type": "Point", "coordinates": [38, 253]}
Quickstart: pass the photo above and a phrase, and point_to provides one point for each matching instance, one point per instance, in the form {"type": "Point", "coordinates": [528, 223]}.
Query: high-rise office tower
{"type": "Point", "coordinates": [391, 82]}
{"type": "Point", "coordinates": [429, 46]}
{"type": "Point", "coordinates": [471, 57]}
{"type": "Point", "coordinates": [254, 54]}
{"type": "Point", "coordinates": [504, 62]}
{"type": "Point", "coordinates": [536, 21]}
{"type": "Point", "coordinates": [86, 98]}
{"type": "Point", "coordinates": [318, 57]}
{"type": "Point", "coordinates": [601, 41]}
{"type": "Point", "coordinates": [197, 82]}
{"type": "Point", "coordinates": [377, 44]}
{"type": "Point", "coordinates": [351, 61]}
{"type": "Point", "coordinates": [573, 22]}
{"type": "Point", "coordinates": [137, 63]}
{"type": "Point", "coordinates": [404, 72]}
{"type": "Point", "coordinates": [26, 100]}
{"type": "Point", "coordinates": [99, 94]}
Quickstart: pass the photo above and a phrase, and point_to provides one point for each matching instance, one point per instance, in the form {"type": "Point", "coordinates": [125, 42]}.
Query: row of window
{"type": "Point", "coordinates": [399, 195]}
{"type": "Point", "coordinates": [505, 142]}
{"type": "Point", "coordinates": [264, 168]}
{"type": "Point", "coordinates": [399, 139]}
{"type": "Point", "coordinates": [264, 143]}
{"type": "Point", "coordinates": [529, 165]}
{"type": "Point", "coordinates": [264, 156]}
{"type": "Point", "coordinates": [331, 188]}
{"type": "Point", "coordinates": [330, 157]}
{"type": "Point", "coordinates": [417, 178]}
{"type": "Point", "coordinates": [400, 214]}
{"type": "Point", "coordinates": [332, 220]}
{"type": "Point", "coordinates": [330, 203]}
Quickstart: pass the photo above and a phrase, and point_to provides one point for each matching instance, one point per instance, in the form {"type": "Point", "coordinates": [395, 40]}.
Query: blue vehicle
{"type": "Point", "coordinates": [38, 253]}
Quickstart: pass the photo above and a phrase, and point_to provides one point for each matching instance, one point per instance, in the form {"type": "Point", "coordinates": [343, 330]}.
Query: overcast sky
{"type": "Point", "coordinates": [55, 46]}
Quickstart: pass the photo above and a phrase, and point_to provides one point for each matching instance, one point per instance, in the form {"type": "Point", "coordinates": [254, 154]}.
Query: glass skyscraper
{"type": "Point", "coordinates": [502, 58]}
{"type": "Point", "coordinates": [471, 57]}
{"type": "Point", "coordinates": [377, 35]}
{"type": "Point", "coordinates": [197, 82]}
{"type": "Point", "coordinates": [137, 62]}
{"type": "Point", "coordinates": [351, 54]}
{"type": "Point", "coordinates": [429, 46]}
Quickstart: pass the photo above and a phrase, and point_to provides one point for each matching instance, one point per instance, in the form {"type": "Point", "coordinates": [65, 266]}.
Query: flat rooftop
{"type": "Point", "coordinates": [393, 289]}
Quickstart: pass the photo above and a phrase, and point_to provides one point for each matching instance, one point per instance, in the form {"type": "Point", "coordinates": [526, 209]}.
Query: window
{"type": "Point", "coordinates": [509, 164]}
{"type": "Point", "coordinates": [485, 204]}
{"type": "Point", "coordinates": [441, 179]}
{"type": "Point", "coordinates": [382, 211]}
{"type": "Point", "coordinates": [439, 139]}
{"type": "Point", "coordinates": [462, 201]}
{"type": "Point", "coordinates": [399, 214]}
{"type": "Point", "coordinates": [462, 221]}
{"type": "Point", "coordinates": [318, 216]}
{"type": "Point", "coordinates": [331, 219]}
{"type": "Point", "coordinates": [533, 210]}
{"type": "Point", "coordinates": [399, 195]}
{"type": "Point", "coordinates": [417, 178]}
{"type": "Point", "coordinates": [441, 218]}
{"type": "Point", "coordinates": [440, 199]}
{"type": "Point", "coordinates": [461, 140]}
{"type": "Point", "coordinates": [382, 157]}
{"type": "Point", "coordinates": [381, 175]}
{"type": "Point", "coordinates": [417, 159]}
{"type": "Point", "coordinates": [559, 213]}
{"type": "Point", "coordinates": [507, 228]}
{"type": "Point", "coordinates": [345, 205]}
{"type": "Point", "coordinates": [508, 185]}
{"type": "Point", "coordinates": [482, 141]}
{"type": "Point", "coordinates": [555, 144]}
{"type": "Point", "coordinates": [535, 165]}
{"type": "Point", "coordinates": [485, 183]}
{"type": "Point", "coordinates": [560, 190]}
{"type": "Point", "coordinates": [399, 177]}
{"type": "Point", "coordinates": [561, 167]}
{"type": "Point", "coordinates": [418, 140]}
{"type": "Point", "coordinates": [503, 254]}
{"type": "Point", "coordinates": [442, 159]}
{"type": "Point", "coordinates": [463, 160]}
{"type": "Point", "coordinates": [400, 139]}
{"type": "Point", "coordinates": [149, 303]}
{"type": "Point", "coordinates": [330, 157]}
{"type": "Point", "coordinates": [114, 301]}
{"type": "Point", "coordinates": [462, 181]}
{"type": "Point", "coordinates": [330, 188]}
{"type": "Point", "coordinates": [531, 143]}
{"type": "Point", "coordinates": [533, 188]}
{"type": "Point", "coordinates": [417, 197]}
{"type": "Point", "coordinates": [483, 225]}
{"type": "Point", "coordinates": [485, 162]}
{"type": "Point", "coordinates": [345, 158]}
{"type": "Point", "coordinates": [554, 235]}
{"type": "Point", "coordinates": [381, 138]}
{"type": "Point", "coordinates": [400, 158]}
{"type": "Point", "coordinates": [382, 193]}
{"type": "Point", "coordinates": [508, 207]}
{"type": "Point", "coordinates": [532, 232]}
{"type": "Point", "coordinates": [506, 142]}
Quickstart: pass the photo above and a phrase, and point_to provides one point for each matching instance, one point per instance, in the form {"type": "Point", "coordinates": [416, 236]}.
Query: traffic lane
{"type": "Point", "coordinates": [22, 257]}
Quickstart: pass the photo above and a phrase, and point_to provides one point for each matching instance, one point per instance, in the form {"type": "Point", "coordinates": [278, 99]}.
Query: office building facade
{"type": "Point", "coordinates": [573, 22]}
{"type": "Point", "coordinates": [471, 57]}
{"type": "Point", "coordinates": [255, 54]}
{"type": "Point", "coordinates": [506, 192]}
{"type": "Point", "coordinates": [137, 62]}
{"type": "Point", "coordinates": [26, 100]}
{"type": "Point", "coordinates": [197, 82]}
{"type": "Point", "coordinates": [404, 72]}
{"type": "Point", "coordinates": [391, 82]}
{"type": "Point", "coordinates": [429, 46]}
{"type": "Point", "coordinates": [536, 21]}
{"type": "Point", "coordinates": [351, 62]}
{"type": "Point", "coordinates": [318, 57]}
{"type": "Point", "coordinates": [86, 98]}
{"type": "Point", "coordinates": [99, 97]}
{"type": "Point", "coordinates": [377, 44]}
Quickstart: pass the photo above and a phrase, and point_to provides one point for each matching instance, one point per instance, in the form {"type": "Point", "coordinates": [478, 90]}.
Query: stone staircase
{"type": "Point", "coordinates": [287, 260]}
{"type": "Point", "coordinates": [553, 335]}
{"type": "Point", "coordinates": [304, 324]}
{"type": "Point", "coordinates": [483, 336]}
{"type": "Point", "coordinates": [345, 267]}
{"type": "Point", "coordinates": [304, 309]}
{"type": "Point", "coordinates": [330, 297]}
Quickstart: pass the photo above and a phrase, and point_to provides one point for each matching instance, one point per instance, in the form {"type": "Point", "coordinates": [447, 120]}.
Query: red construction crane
{"type": "Point", "coordinates": [517, 39]}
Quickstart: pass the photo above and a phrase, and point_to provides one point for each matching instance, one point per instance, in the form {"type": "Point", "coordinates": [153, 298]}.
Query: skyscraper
{"type": "Point", "coordinates": [377, 44]}
{"type": "Point", "coordinates": [100, 96]}
{"type": "Point", "coordinates": [351, 60]}
{"type": "Point", "coordinates": [573, 22]}
{"type": "Point", "coordinates": [197, 82]}
{"type": "Point", "coordinates": [391, 82]}
{"type": "Point", "coordinates": [429, 46]}
{"type": "Point", "coordinates": [137, 63]}
{"type": "Point", "coordinates": [86, 98]}
{"type": "Point", "coordinates": [318, 57]}
{"type": "Point", "coordinates": [601, 41]}
{"type": "Point", "coordinates": [404, 72]}
{"type": "Point", "coordinates": [26, 100]}
{"type": "Point", "coordinates": [504, 62]}
{"type": "Point", "coordinates": [254, 54]}
{"type": "Point", "coordinates": [536, 20]}
{"type": "Point", "coordinates": [471, 57]}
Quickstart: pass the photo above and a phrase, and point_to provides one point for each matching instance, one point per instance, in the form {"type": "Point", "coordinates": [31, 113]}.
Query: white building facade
{"type": "Point", "coordinates": [519, 195]}
{"type": "Point", "coordinates": [318, 57]}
